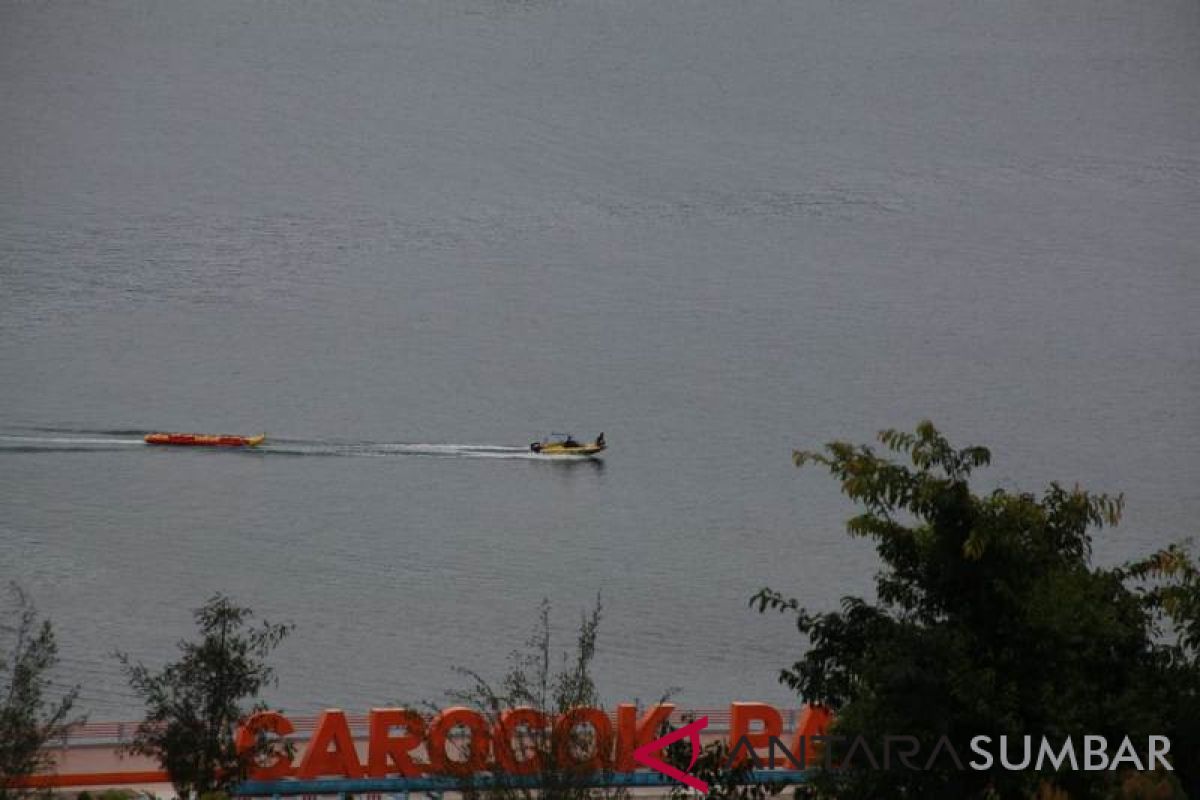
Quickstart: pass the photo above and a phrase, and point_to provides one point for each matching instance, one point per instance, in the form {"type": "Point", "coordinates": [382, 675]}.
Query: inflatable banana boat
{"type": "Point", "coordinates": [205, 439]}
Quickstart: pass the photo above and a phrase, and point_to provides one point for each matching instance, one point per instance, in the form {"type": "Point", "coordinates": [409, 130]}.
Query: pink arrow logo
{"type": "Point", "coordinates": [645, 754]}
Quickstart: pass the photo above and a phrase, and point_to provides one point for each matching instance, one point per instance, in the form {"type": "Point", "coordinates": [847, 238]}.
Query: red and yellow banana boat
{"type": "Point", "coordinates": [205, 439]}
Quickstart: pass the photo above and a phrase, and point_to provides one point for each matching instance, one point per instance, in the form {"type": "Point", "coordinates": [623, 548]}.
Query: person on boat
{"type": "Point", "coordinates": [600, 439]}
{"type": "Point", "coordinates": [570, 441]}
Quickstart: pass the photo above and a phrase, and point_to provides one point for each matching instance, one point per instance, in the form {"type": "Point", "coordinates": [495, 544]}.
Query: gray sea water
{"type": "Point", "coordinates": [401, 237]}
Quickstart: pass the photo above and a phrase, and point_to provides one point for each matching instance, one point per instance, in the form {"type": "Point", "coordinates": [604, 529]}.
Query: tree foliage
{"type": "Point", "coordinates": [991, 620]}
{"type": "Point", "coordinates": [554, 684]}
{"type": "Point", "coordinates": [712, 766]}
{"type": "Point", "coordinates": [551, 684]}
{"type": "Point", "coordinates": [194, 705]}
{"type": "Point", "coordinates": [31, 717]}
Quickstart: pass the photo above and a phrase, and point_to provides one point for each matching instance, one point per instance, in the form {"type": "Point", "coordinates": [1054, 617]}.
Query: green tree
{"type": "Point", "coordinates": [989, 620]}
{"type": "Point", "coordinates": [1169, 583]}
{"type": "Point", "coordinates": [30, 718]}
{"type": "Point", "coordinates": [194, 705]}
{"type": "Point", "coordinates": [712, 766]}
{"type": "Point", "coordinates": [552, 684]}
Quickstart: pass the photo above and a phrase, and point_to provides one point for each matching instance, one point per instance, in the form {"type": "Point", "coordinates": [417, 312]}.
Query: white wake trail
{"type": "Point", "coordinates": [35, 443]}
{"type": "Point", "coordinates": [97, 442]}
{"type": "Point", "coordinates": [384, 449]}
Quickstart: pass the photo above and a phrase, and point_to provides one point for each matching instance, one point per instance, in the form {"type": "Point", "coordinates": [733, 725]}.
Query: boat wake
{"type": "Point", "coordinates": [12, 443]}
{"type": "Point", "coordinates": [300, 447]}
{"type": "Point", "coordinates": [44, 440]}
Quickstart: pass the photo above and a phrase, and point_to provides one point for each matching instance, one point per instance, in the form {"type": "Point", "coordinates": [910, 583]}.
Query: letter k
{"type": "Point", "coordinates": [646, 754]}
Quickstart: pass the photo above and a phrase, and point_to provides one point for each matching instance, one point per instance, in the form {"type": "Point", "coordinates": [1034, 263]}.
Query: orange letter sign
{"type": "Point", "coordinates": [568, 741]}
{"type": "Point", "coordinates": [741, 715]}
{"type": "Point", "coordinates": [814, 721]}
{"type": "Point", "coordinates": [247, 736]}
{"type": "Point", "coordinates": [386, 748]}
{"type": "Point", "coordinates": [632, 732]}
{"type": "Point", "coordinates": [476, 750]}
{"type": "Point", "coordinates": [524, 756]}
{"type": "Point", "coordinates": [318, 760]}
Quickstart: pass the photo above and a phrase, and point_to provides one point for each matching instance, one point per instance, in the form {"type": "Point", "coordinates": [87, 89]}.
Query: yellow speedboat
{"type": "Point", "coordinates": [558, 444]}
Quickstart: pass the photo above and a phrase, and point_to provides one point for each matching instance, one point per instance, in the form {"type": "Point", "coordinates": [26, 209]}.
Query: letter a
{"type": "Point", "coordinates": [318, 760]}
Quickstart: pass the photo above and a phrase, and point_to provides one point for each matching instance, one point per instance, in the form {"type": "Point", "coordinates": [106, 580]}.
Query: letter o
{"type": "Point", "coordinates": [564, 740]}
{"type": "Point", "coordinates": [477, 749]}
{"type": "Point", "coordinates": [511, 721]}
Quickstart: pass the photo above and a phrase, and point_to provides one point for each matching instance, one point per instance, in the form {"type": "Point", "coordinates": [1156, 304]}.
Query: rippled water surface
{"type": "Point", "coordinates": [406, 239]}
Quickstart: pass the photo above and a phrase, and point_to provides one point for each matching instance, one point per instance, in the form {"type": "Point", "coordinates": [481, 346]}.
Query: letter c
{"type": "Point", "coordinates": [248, 736]}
